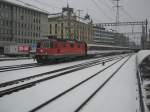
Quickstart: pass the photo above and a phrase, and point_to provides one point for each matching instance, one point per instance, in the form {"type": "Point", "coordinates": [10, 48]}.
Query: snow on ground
{"type": "Point", "coordinates": [31, 97]}
{"type": "Point", "coordinates": [16, 62]}
{"type": "Point", "coordinates": [72, 100]}
{"type": "Point", "coordinates": [119, 95]}
{"type": "Point", "coordinates": [17, 74]}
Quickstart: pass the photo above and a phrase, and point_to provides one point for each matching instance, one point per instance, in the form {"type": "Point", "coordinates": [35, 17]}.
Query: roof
{"type": "Point", "coordinates": [141, 55]}
{"type": "Point", "coordinates": [25, 5]}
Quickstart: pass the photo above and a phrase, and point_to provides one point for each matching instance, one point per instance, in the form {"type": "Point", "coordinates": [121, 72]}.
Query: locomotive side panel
{"type": "Point", "coordinates": [59, 49]}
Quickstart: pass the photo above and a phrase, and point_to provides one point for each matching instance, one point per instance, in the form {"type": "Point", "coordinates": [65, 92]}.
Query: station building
{"type": "Point", "coordinates": [106, 37]}
{"type": "Point", "coordinates": [70, 26]}
{"type": "Point", "coordinates": [21, 23]}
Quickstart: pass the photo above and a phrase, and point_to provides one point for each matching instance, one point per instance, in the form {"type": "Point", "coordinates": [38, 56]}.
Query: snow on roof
{"type": "Point", "coordinates": [25, 5]}
{"type": "Point", "coordinates": [141, 55]}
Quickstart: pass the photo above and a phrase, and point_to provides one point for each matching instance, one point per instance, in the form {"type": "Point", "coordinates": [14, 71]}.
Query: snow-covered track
{"type": "Point", "coordinates": [64, 71]}
{"type": "Point", "coordinates": [55, 71]}
{"type": "Point", "coordinates": [11, 59]}
{"type": "Point", "coordinates": [100, 87]}
{"type": "Point", "coordinates": [79, 84]}
{"type": "Point", "coordinates": [18, 67]}
{"type": "Point", "coordinates": [8, 83]}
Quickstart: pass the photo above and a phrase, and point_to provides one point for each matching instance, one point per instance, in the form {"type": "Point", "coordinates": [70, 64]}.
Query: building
{"type": "Point", "coordinates": [21, 23]}
{"type": "Point", "coordinates": [68, 25]}
{"type": "Point", "coordinates": [106, 37]}
{"type": "Point", "coordinates": [102, 36]}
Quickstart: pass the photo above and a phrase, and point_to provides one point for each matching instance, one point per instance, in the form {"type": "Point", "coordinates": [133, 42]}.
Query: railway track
{"type": "Point", "coordinates": [47, 73]}
{"type": "Point", "coordinates": [63, 71]}
{"type": "Point", "coordinates": [32, 65]}
{"type": "Point", "coordinates": [81, 83]}
{"type": "Point", "coordinates": [11, 59]}
{"type": "Point", "coordinates": [18, 67]}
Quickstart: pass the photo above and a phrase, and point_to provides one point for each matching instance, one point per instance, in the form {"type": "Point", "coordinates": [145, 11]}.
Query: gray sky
{"type": "Point", "coordinates": [103, 10]}
{"type": "Point", "coordinates": [138, 9]}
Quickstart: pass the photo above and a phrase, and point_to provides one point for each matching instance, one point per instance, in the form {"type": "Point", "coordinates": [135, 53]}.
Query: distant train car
{"type": "Point", "coordinates": [16, 50]}
{"type": "Point", "coordinates": [106, 47]}
{"type": "Point", "coordinates": [53, 49]}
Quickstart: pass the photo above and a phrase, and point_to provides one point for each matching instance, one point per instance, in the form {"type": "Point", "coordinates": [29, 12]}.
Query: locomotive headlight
{"type": "Point", "coordinates": [41, 50]}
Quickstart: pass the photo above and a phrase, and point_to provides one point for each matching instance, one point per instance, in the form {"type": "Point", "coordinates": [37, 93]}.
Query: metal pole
{"type": "Point", "coordinates": [146, 34]}
{"type": "Point", "coordinates": [79, 33]}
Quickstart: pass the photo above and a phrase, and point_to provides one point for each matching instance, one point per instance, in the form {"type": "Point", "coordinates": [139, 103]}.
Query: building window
{"type": "Point", "coordinates": [36, 34]}
{"type": "Point", "coordinates": [50, 28]}
{"type": "Point", "coordinates": [62, 25]}
{"type": "Point", "coordinates": [33, 34]}
{"type": "Point", "coordinates": [34, 20]}
{"type": "Point", "coordinates": [62, 31]}
{"type": "Point", "coordinates": [55, 28]}
{"type": "Point", "coordinates": [1, 22]}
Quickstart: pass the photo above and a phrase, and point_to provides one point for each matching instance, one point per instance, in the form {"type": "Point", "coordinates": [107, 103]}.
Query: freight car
{"type": "Point", "coordinates": [54, 49]}
{"type": "Point", "coordinates": [16, 50]}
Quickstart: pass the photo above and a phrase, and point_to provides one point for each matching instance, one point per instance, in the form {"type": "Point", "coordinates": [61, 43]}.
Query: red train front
{"type": "Point", "coordinates": [53, 49]}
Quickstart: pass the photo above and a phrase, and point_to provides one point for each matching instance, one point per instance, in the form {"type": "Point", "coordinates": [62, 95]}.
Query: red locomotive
{"type": "Point", "coordinates": [53, 49]}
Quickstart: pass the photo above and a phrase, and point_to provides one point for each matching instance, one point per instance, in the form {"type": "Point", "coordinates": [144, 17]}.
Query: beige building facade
{"type": "Point", "coordinates": [71, 28]}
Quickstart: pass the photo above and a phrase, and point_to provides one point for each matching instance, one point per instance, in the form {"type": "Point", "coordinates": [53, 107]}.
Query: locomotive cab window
{"type": "Point", "coordinates": [48, 44]}
{"type": "Point", "coordinates": [51, 44]}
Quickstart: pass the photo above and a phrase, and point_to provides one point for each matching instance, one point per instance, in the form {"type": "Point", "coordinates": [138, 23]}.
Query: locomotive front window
{"type": "Point", "coordinates": [48, 44]}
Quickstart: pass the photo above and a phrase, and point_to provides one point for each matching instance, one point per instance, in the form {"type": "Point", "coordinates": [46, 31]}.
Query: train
{"type": "Point", "coordinates": [50, 49]}
{"type": "Point", "coordinates": [53, 49]}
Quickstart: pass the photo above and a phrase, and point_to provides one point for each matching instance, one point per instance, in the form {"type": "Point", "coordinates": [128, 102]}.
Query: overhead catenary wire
{"type": "Point", "coordinates": [32, 6]}
{"type": "Point", "coordinates": [47, 4]}
{"type": "Point", "coordinates": [106, 4]}
{"type": "Point", "coordinates": [123, 9]}
{"type": "Point", "coordinates": [49, 13]}
{"type": "Point", "coordinates": [101, 10]}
